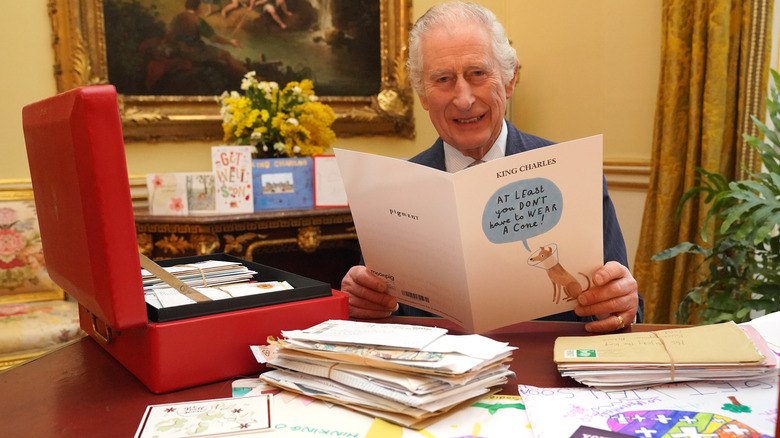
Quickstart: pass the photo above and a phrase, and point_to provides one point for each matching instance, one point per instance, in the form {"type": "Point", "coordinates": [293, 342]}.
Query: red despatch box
{"type": "Point", "coordinates": [82, 195]}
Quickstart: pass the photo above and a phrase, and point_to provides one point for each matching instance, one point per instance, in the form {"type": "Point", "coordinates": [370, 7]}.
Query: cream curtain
{"type": "Point", "coordinates": [714, 67]}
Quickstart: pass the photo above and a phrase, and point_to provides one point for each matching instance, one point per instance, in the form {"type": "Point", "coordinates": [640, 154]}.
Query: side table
{"type": "Point", "coordinates": [318, 243]}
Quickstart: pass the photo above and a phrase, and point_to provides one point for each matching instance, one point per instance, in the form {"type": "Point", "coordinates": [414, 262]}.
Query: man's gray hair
{"type": "Point", "coordinates": [451, 14]}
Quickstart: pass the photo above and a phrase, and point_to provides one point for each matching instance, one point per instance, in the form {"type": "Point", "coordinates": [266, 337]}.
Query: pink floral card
{"type": "Point", "coordinates": [167, 194]}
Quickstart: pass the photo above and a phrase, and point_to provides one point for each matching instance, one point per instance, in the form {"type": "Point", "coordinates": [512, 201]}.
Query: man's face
{"type": "Point", "coordinates": [464, 94]}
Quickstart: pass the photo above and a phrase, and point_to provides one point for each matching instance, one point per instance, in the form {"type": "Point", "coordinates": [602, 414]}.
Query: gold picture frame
{"type": "Point", "coordinates": [78, 39]}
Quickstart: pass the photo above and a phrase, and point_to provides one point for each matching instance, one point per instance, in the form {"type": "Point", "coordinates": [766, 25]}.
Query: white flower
{"type": "Point", "coordinates": [256, 136]}
{"type": "Point", "coordinates": [268, 88]}
{"type": "Point", "coordinates": [296, 149]}
{"type": "Point", "coordinates": [248, 81]}
{"type": "Point", "coordinates": [279, 146]}
{"type": "Point", "coordinates": [293, 121]}
{"type": "Point", "coordinates": [313, 98]}
{"type": "Point", "coordinates": [227, 115]}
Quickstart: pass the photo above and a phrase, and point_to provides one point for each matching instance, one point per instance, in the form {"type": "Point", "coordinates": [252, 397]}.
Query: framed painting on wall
{"type": "Point", "coordinates": [168, 75]}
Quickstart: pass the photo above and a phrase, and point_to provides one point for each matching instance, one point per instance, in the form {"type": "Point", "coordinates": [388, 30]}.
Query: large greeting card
{"type": "Point", "coordinates": [503, 242]}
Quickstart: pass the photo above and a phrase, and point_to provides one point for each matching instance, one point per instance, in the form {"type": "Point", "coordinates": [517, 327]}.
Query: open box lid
{"type": "Point", "coordinates": [78, 168]}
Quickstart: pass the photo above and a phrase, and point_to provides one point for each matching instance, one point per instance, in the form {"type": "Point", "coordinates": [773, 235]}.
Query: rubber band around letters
{"type": "Point", "coordinates": [668, 353]}
{"type": "Point", "coordinates": [202, 274]}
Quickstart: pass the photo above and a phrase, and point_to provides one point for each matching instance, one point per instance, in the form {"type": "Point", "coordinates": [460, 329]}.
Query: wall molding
{"type": "Point", "coordinates": [627, 175]}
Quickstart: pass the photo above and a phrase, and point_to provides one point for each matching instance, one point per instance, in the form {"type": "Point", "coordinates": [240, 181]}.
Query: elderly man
{"type": "Point", "coordinates": [463, 70]}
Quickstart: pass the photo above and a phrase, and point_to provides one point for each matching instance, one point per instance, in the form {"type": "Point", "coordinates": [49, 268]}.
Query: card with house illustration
{"type": "Point", "coordinates": [283, 183]}
{"type": "Point", "coordinates": [232, 167]}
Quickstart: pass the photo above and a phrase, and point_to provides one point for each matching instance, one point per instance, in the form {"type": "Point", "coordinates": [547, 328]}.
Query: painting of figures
{"type": "Point", "coordinates": [204, 47]}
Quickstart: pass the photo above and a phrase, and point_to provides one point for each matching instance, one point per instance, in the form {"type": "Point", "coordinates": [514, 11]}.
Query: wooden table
{"type": "Point", "coordinates": [81, 391]}
{"type": "Point", "coordinates": [319, 243]}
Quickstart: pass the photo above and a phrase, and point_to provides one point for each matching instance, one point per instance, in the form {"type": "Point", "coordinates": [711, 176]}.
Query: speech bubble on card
{"type": "Point", "coordinates": [521, 210]}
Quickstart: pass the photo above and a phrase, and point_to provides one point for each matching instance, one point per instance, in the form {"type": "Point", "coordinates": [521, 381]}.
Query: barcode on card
{"type": "Point", "coordinates": [415, 296]}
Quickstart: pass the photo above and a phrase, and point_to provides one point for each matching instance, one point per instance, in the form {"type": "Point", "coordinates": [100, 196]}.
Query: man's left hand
{"type": "Point", "coordinates": [613, 297]}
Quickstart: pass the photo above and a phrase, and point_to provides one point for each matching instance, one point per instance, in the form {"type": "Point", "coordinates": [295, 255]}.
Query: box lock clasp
{"type": "Point", "coordinates": [100, 336]}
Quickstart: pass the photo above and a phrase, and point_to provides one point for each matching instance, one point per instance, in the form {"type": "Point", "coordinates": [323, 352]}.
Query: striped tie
{"type": "Point", "coordinates": [474, 163]}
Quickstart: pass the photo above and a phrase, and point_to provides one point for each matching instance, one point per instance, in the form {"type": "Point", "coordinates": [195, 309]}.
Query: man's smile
{"type": "Point", "coordinates": [471, 120]}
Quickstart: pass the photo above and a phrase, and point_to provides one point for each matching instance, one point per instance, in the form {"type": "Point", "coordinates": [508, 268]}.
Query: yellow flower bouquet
{"type": "Point", "coordinates": [286, 122]}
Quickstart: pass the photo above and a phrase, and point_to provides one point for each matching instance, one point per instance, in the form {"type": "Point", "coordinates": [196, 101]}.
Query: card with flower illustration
{"type": "Point", "coordinates": [167, 194]}
{"type": "Point", "coordinates": [212, 418]}
{"type": "Point", "coordinates": [232, 167]}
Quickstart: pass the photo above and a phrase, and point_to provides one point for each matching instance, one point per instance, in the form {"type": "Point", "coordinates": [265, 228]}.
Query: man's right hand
{"type": "Point", "coordinates": [368, 298]}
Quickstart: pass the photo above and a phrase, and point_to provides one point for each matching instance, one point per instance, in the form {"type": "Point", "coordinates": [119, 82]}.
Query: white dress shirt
{"type": "Point", "coordinates": [454, 160]}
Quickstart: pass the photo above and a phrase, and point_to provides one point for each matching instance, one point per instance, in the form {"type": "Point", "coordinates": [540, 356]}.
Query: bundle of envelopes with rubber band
{"type": "Point", "coordinates": [708, 352]}
{"type": "Point", "coordinates": [405, 374]}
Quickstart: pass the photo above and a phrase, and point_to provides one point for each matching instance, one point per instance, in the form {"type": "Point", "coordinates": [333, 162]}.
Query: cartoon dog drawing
{"type": "Point", "coordinates": [560, 278]}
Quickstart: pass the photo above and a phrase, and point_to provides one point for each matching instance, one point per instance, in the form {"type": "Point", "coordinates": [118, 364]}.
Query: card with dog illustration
{"type": "Point", "coordinates": [507, 241]}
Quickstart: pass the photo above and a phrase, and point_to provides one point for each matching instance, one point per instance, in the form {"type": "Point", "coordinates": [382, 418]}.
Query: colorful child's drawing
{"type": "Point", "coordinates": [491, 417]}
{"type": "Point", "coordinates": [682, 424]}
{"type": "Point", "coordinates": [718, 409]}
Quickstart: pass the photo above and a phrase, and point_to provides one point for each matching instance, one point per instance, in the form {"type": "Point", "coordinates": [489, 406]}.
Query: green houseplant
{"type": "Point", "coordinates": [744, 257]}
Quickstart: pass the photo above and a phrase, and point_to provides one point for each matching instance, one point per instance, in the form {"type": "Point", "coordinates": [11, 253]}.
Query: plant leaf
{"type": "Point", "coordinates": [680, 248]}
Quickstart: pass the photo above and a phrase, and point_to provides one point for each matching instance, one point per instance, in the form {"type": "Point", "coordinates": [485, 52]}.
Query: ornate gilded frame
{"type": "Point", "coordinates": [78, 39]}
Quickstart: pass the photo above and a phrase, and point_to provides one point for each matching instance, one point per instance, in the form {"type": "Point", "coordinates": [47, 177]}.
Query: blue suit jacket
{"type": "Point", "coordinates": [516, 142]}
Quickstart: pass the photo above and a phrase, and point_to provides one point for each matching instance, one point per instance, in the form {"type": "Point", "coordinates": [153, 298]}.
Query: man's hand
{"type": "Point", "coordinates": [613, 297]}
{"type": "Point", "coordinates": [368, 298]}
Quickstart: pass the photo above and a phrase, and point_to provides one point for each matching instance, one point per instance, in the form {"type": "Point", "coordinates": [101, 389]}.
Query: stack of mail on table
{"type": "Point", "coordinates": [709, 352]}
{"type": "Point", "coordinates": [405, 374]}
